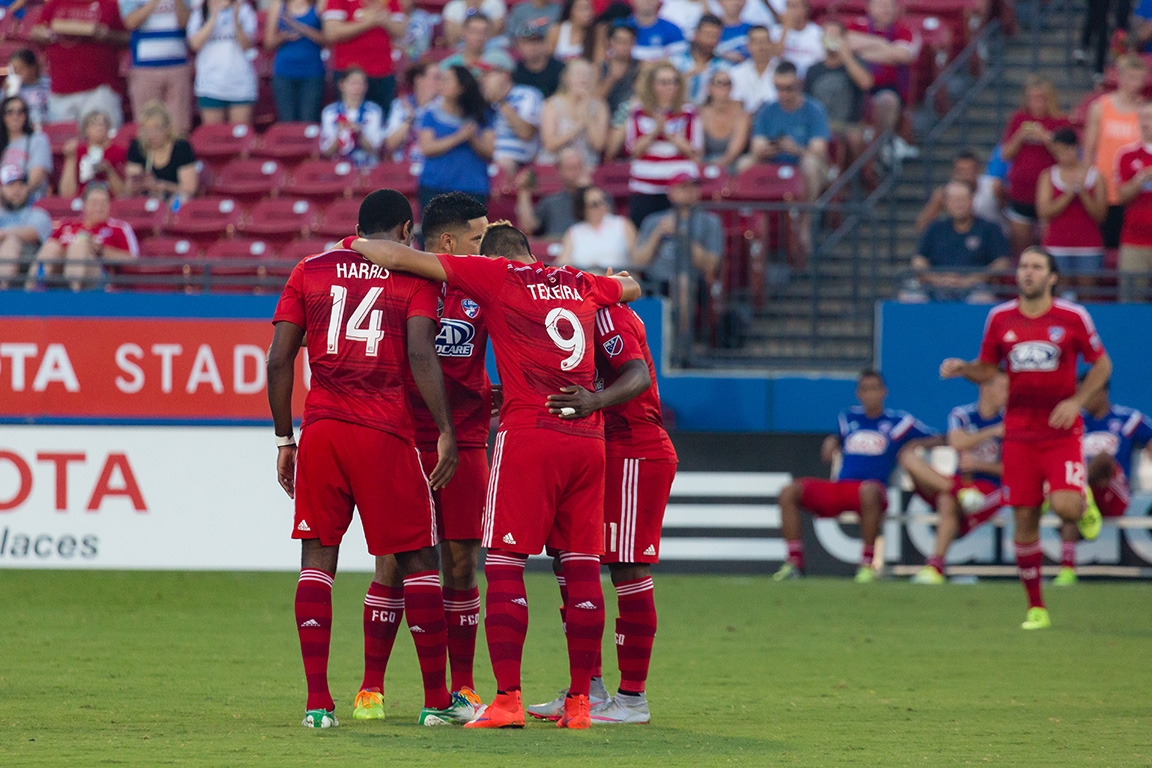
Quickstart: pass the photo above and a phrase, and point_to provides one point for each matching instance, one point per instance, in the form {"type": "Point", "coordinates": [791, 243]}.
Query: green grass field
{"type": "Point", "coordinates": [153, 669]}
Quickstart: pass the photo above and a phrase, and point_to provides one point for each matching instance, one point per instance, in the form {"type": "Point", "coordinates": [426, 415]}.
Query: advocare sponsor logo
{"type": "Point", "coordinates": [455, 338]}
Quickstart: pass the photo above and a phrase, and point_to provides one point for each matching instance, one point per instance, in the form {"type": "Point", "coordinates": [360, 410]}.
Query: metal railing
{"type": "Point", "coordinates": [186, 275]}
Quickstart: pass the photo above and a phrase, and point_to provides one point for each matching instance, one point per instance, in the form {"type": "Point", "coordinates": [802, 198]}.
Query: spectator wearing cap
{"type": "Point", "coordinates": [82, 40]}
{"type": "Point", "coordinates": [663, 137]}
{"type": "Point", "coordinates": [23, 146]}
{"type": "Point", "coordinates": [477, 32]}
{"type": "Point", "coordinates": [537, 67]}
{"type": "Point", "coordinates": [23, 228]}
{"type": "Point", "coordinates": [27, 80]}
{"type": "Point", "coordinates": [159, 46]}
{"type": "Point", "coordinates": [457, 12]}
{"type": "Point", "coordinates": [517, 112]}
{"type": "Point", "coordinates": [294, 31]}
{"type": "Point", "coordinates": [957, 253]}
{"type": "Point", "coordinates": [360, 34]}
{"type": "Point", "coordinates": [1072, 201]}
{"type": "Point", "coordinates": [456, 139]}
{"type": "Point", "coordinates": [80, 247]}
{"type": "Point", "coordinates": [619, 69]}
{"type": "Point", "coordinates": [656, 39]}
{"type": "Point", "coordinates": [575, 117]}
{"type": "Point", "coordinates": [92, 157]}
{"type": "Point", "coordinates": [752, 80]}
{"type": "Point", "coordinates": [531, 15]}
{"type": "Point", "coordinates": [700, 60]}
{"type": "Point", "coordinates": [352, 128]}
{"type": "Point", "coordinates": [221, 32]}
{"type": "Point", "coordinates": [402, 133]}
{"type": "Point", "coordinates": [553, 214]}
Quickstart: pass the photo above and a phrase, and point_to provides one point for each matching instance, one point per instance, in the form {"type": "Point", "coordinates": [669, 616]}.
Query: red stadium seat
{"type": "Point", "coordinates": [217, 144]}
{"type": "Point", "coordinates": [280, 219]}
{"type": "Point", "coordinates": [714, 182]}
{"type": "Point", "coordinates": [32, 14]}
{"type": "Point", "coordinates": [290, 143]}
{"type": "Point", "coordinates": [292, 253]}
{"type": "Point", "coordinates": [768, 182]}
{"type": "Point", "coordinates": [227, 263]}
{"type": "Point", "coordinates": [59, 134]}
{"type": "Point", "coordinates": [248, 179]}
{"type": "Point", "coordinates": [146, 215]}
{"type": "Point", "coordinates": [338, 220]}
{"type": "Point", "coordinates": [545, 249]}
{"type": "Point", "coordinates": [165, 263]}
{"type": "Point", "coordinates": [397, 176]}
{"type": "Point", "coordinates": [613, 179]}
{"type": "Point", "coordinates": [60, 208]}
{"type": "Point", "coordinates": [547, 179]}
{"type": "Point", "coordinates": [323, 179]}
{"type": "Point", "coordinates": [166, 247]}
{"type": "Point", "coordinates": [124, 135]}
{"type": "Point", "coordinates": [205, 219]}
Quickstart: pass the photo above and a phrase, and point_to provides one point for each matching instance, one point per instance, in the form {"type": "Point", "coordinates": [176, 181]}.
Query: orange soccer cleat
{"type": "Point", "coordinates": [505, 711]}
{"type": "Point", "coordinates": [577, 713]}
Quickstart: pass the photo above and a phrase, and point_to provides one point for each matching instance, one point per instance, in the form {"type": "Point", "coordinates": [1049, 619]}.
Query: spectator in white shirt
{"type": "Point", "coordinates": [353, 128]}
{"type": "Point", "coordinates": [221, 32]}
{"type": "Point", "coordinates": [756, 13]}
{"type": "Point", "coordinates": [685, 14]}
{"type": "Point", "coordinates": [517, 112]}
{"type": "Point", "coordinates": [599, 239]}
{"type": "Point", "coordinates": [752, 81]}
{"type": "Point", "coordinates": [402, 133]}
{"type": "Point", "coordinates": [801, 39]}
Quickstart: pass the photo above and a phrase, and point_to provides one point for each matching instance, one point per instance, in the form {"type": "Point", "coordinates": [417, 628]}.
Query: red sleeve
{"type": "Point", "coordinates": [290, 308]}
{"type": "Point", "coordinates": [478, 276]}
{"type": "Point", "coordinates": [60, 231]}
{"type": "Point", "coordinates": [425, 300]}
{"type": "Point", "coordinates": [990, 351]}
{"type": "Point", "coordinates": [605, 291]}
{"type": "Point", "coordinates": [394, 6]}
{"type": "Point", "coordinates": [48, 13]}
{"type": "Point", "coordinates": [111, 15]}
{"type": "Point", "coordinates": [1087, 339]}
{"type": "Point", "coordinates": [616, 339]}
{"type": "Point", "coordinates": [1124, 169]}
{"type": "Point", "coordinates": [1013, 126]}
{"type": "Point", "coordinates": [122, 237]}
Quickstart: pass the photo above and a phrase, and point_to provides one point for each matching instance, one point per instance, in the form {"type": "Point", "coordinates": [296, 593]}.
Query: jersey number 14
{"type": "Point", "coordinates": [370, 335]}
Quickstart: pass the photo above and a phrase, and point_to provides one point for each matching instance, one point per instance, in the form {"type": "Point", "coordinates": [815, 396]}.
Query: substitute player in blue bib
{"type": "Point", "coordinates": [870, 438]}
{"type": "Point", "coordinates": [1111, 435]}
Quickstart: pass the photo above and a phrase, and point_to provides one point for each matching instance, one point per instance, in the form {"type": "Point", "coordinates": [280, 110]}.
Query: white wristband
{"type": "Point", "coordinates": [285, 440]}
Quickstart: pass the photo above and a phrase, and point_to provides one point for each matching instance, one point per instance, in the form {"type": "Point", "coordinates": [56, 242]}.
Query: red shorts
{"type": "Point", "coordinates": [829, 498]}
{"type": "Point", "coordinates": [546, 488]}
{"type": "Point", "coordinates": [460, 504]}
{"type": "Point", "coordinates": [1113, 498]}
{"type": "Point", "coordinates": [340, 466]}
{"type": "Point", "coordinates": [1033, 468]}
{"type": "Point", "coordinates": [635, 496]}
{"type": "Point", "coordinates": [971, 518]}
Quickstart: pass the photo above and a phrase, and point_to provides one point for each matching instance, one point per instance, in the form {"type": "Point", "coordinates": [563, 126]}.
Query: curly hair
{"type": "Point", "coordinates": [646, 87]}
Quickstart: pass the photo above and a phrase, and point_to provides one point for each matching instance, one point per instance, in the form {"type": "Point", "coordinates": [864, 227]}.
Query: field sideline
{"type": "Point", "coordinates": [158, 668]}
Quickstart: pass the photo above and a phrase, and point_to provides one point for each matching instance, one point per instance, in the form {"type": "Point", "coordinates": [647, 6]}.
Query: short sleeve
{"type": "Point", "coordinates": [39, 152]}
{"type": "Point", "coordinates": [910, 428]}
{"type": "Point", "coordinates": [956, 420]}
{"type": "Point", "coordinates": [605, 291]}
{"type": "Point", "coordinates": [195, 21]}
{"type": "Point", "coordinates": [480, 277]}
{"type": "Point", "coordinates": [425, 300]}
{"type": "Point", "coordinates": [182, 154]}
{"type": "Point", "coordinates": [842, 425]}
{"type": "Point", "coordinates": [39, 220]}
{"type": "Point", "coordinates": [336, 10]}
{"type": "Point", "coordinates": [49, 12]}
{"type": "Point", "coordinates": [1087, 338]}
{"type": "Point", "coordinates": [616, 343]}
{"type": "Point", "coordinates": [122, 238]}
{"type": "Point", "coordinates": [1142, 435]}
{"type": "Point", "coordinates": [762, 124]}
{"type": "Point", "coordinates": [714, 235]}
{"type": "Point", "coordinates": [135, 154]}
{"type": "Point", "coordinates": [290, 308]}
{"type": "Point", "coordinates": [247, 19]}
{"type": "Point", "coordinates": [820, 128]}
{"type": "Point", "coordinates": [997, 243]}
{"type": "Point", "coordinates": [1013, 126]}
{"type": "Point", "coordinates": [62, 231]}
{"type": "Point", "coordinates": [990, 351]}
{"type": "Point", "coordinates": [924, 247]}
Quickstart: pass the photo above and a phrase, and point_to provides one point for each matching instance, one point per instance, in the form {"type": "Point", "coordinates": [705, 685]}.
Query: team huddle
{"type": "Point", "coordinates": [396, 425]}
{"type": "Point", "coordinates": [1038, 438]}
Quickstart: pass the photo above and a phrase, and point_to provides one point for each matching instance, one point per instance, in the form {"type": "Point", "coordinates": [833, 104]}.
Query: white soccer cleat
{"type": "Point", "coordinates": [621, 710]}
{"type": "Point", "coordinates": [553, 709]}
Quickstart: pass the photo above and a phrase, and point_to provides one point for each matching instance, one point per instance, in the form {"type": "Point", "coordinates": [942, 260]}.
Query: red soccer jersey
{"type": "Point", "coordinates": [887, 75]}
{"type": "Point", "coordinates": [541, 323]}
{"type": "Point", "coordinates": [1032, 158]}
{"type": "Point", "coordinates": [356, 315]}
{"type": "Point", "coordinates": [113, 233]}
{"type": "Point", "coordinates": [80, 63]}
{"type": "Point", "coordinates": [1138, 213]}
{"type": "Point", "coordinates": [461, 344]}
{"type": "Point", "coordinates": [371, 50]}
{"type": "Point", "coordinates": [1040, 353]}
{"type": "Point", "coordinates": [632, 430]}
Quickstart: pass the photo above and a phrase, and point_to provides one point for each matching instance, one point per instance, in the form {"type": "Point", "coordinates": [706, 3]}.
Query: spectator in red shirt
{"type": "Point", "coordinates": [1027, 145]}
{"type": "Point", "coordinates": [82, 40]}
{"type": "Point", "coordinates": [360, 33]}
{"type": "Point", "coordinates": [1134, 174]}
{"type": "Point", "coordinates": [889, 48]}
{"type": "Point", "coordinates": [80, 246]}
{"type": "Point", "coordinates": [92, 157]}
{"type": "Point", "coordinates": [1073, 201]}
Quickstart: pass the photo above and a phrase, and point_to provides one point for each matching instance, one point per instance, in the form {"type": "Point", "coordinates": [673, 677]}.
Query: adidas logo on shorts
{"type": "Point", "coordinates": [650, 552]}
{"type": "Point", "coordinates": [311, 623]}
{"type": "Point", "coordinates": [508, 539]}
{"type": "Point", "coordinates": [416, 630]}
{"type": "Point", "coordinates": [303, 526]}
{"type": "Point", "coordinates": [587, 605]}
{"type": "Point", "coordinates": [520, 601]}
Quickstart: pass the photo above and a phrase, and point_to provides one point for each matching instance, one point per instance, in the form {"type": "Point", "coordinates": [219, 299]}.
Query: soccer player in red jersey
{"type": "Point", "coordinates": [641, 464]}
{"type": "Point", "coordinates": [366, 328]}
{"type": "Point", "coordinates": [547, 480]}
{"type": "Point", "coordinates": [1039, 339]}
{"type": "Point", "coordinates": [453, 223]}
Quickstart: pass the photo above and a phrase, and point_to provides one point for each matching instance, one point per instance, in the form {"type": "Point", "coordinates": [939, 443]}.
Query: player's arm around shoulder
{"type": "Point", "coordinates": [397, 256]}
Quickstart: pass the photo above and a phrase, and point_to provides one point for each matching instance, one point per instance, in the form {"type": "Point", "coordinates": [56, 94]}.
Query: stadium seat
{"type": "Point", "coordinates": [248, 179]}
{"type": "Point", "coordinates": [146, 215]}
{"type": "Point", "coordinates": [768, 182]}
{"type": "Point", "coordinates": [205, 219]}
{"type": "Point", "coordinates": [613, 179]}
{"type": "Point", "coordinates": [217, 144]}
{"type": "Point", "coordinates": [323, 179]}
{"type": "Point", "coordinates": [59, 134]}
{"type": "Point", "coordinates": [165, 264]}
{"type": "Point", "coordinates": [230, 264]}
{"type": "Point", "coordinates": [338, 220]}
{"type": "Point", "coordinates": [292, 253]}
{"type": "Point", "coordinates": [545, 249]}
{"type": "Point", "coordinates": [290, 143]}
{"type": "Point", "coordinates": [60, 208]}
{"type": "Point", "coordinates": [714, 182]}
{"type": "Point", "coordinates": [280, 219]}
{"type": "Point", "coordinates": [547, 179]}
{"type": "Point", "coordinates": [124, 135]}
{"type": "Point", "coordinates": [397, 176]}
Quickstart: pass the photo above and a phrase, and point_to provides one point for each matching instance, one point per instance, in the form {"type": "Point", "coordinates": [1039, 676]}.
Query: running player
{"type": "Point", "coordinates": [453, 223]}
{"type": "Point", "coordinates": [366, 328]}
{"type": "Point", "coordinates": [1039, 339]}
{"type": "Point", "coordinates": [870, 438]}
{"type": "Point", "coordinates": [1111, 433]}
{"type": "Point", "coordinates": [971, 496]}
{"type": "Point", "coordinates": [641, 464]}
{"type": "Point", "coordinates": [551, 491]}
